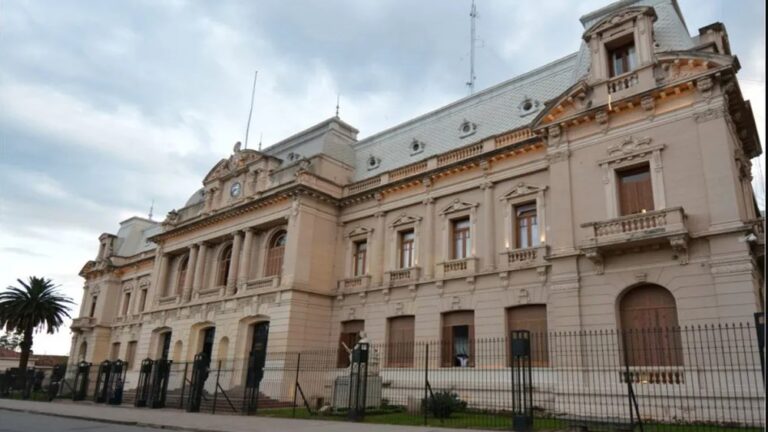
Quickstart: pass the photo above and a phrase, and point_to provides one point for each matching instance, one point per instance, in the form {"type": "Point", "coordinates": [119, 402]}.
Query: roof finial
{"type": "Point", "coordinates": [338, 96]}
{"type": "Point", "coordinates": [151, 207]}
{"type": "Point", "coordinates": [250, 111]}
{"type": "Point", "coordinates": [472, 43]}
{"type": "Point", "coordinates": [261, 135]}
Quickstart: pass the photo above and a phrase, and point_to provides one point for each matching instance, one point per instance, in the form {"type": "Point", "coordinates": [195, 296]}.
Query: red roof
{"type": "Point", "coordinates": [6, 353]}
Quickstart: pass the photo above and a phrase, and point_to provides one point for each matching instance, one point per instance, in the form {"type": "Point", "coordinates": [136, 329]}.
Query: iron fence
{"type": "Point", "coordinates": [706, 377]}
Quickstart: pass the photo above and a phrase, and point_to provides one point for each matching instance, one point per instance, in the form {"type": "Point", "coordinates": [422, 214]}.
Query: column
{"type": "Point", "coordinates": [245, 259]}
{"type": "Point", "coordinates": [428, 245]}
{"type": "Point", "coordinates": [234, 263]}
{"type": "Point", "coordinates": [197, 283]}
{"type": "Point", "coordinates": [377, 246]}
{"type": "Point", "coordinates": [190, 276]}
{"type": "Point", "coordinates": [490, 226]}
{"type": "Point", "coordinates": [162, 276]}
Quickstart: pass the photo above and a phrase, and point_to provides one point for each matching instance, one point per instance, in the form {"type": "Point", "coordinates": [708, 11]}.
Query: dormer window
{"type": "Point", "coordinates": [621, 56]}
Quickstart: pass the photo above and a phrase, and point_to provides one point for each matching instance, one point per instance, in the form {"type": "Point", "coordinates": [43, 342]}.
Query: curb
{"type": "Point", "coordinates": [110, 421]}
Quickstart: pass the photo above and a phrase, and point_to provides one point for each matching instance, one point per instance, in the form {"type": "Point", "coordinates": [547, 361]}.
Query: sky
{"type": "Point", "coordinates": [106, 107]}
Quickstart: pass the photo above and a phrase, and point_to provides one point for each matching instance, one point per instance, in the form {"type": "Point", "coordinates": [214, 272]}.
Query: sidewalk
{"type": "Point", "coordinates": [180, 420]}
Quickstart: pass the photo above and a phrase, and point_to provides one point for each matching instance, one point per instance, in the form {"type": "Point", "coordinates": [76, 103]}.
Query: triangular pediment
{"type": "Point", "coordinates": [522, 189]}
{"type": "Point", "coordinates": [360, 231]}
{"type": "Point", "coordinates": [458, 205]}
{"type": "Point", "coordinates": [618, 18]}
{"type": "Point", "coordinates": [571, 102]}
{"type": "Point", "coordinates": [405, 219]}
{"type": "Point", "coordinates": [234, 164]}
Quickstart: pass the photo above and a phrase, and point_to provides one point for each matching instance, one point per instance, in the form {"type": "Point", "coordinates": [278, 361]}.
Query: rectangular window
{"type": "Point", "coordinates": [358, 264]}
{"type": "Point", "coordinates": [532, 318]}
{"type": "Point", "coordinates": [126, 303]}
{"type": "Point", "coordinates": [400, 340]}
{"type": "Point", "coordinates": [114, 353]}
{"type": "Point", "coordinates": [526, 226]}
{"type": "Point", "coordinates": [458, 339]}
{"type": "Point", "coordinates": [350, 334]}
{"type": "Point", "coordinates": [406, 248]}
{"type": "Point", "coordinates": [622, 58]}
{"type": "Point", "coordinates": [635, 191]}
{"type": "Point", "coordinates": [142, 300]}
{"type": "Point", "coordinates": [93, 306]}
{"type": "Point", "coordinates": [461, 244]}
{"type": "Point", "coordinates": [130, 353]}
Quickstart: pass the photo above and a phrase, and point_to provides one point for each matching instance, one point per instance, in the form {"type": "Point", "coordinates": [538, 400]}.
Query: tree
{"type": "Point", "coordinates": [10, 341]}
{"type": "Point", "coordinates": [37, 306]}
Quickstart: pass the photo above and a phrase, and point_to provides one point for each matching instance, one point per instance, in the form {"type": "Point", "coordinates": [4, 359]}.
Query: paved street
{"type": "Point", "coordinates": [11, 421]}
{"type": "Point", "coordinates": [29, 416]}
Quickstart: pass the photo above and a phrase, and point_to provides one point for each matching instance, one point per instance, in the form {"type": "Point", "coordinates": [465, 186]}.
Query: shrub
{"type": "Point", "coordinates": [444, 403]}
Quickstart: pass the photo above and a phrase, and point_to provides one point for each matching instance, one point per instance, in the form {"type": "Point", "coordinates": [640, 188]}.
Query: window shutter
{"type": "Point", "coordinates": [446, 347]}
{"type": "Point", "coordinates": [471, 345]}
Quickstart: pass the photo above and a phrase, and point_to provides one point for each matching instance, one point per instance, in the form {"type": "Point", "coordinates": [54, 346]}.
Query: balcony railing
{"type": "Point", "coordinates": [402, 276]}
{"type": "Point", "coordinates": [636, 227]}
{"type": "Point", "coordinates": [457, 267]}
{"type": "Point", "coordinates": [266, 282]}
{"type": "Point", "coordinates": [355, 284]}
{"type": "Point", "coordinates": [623, 82]}
{"type": "Point", "coordinates": [527, 257]}
{"type": "Point", "coordinates": [83, 322]}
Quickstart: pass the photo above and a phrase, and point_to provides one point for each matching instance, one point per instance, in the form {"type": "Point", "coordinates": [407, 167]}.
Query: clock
{"type": "Point", "coordinates": [234, 190]}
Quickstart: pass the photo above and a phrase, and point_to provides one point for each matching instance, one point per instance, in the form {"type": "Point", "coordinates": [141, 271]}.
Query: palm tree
{"type": "Point", "coordinates": [36, 306]}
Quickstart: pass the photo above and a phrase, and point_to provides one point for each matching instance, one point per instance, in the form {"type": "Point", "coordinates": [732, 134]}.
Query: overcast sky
{"type": "Point", "coordinates": [108, 105]}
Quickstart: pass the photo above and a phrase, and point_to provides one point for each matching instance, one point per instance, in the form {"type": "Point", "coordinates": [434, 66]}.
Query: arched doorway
{"type": "Point", "coordinates": [207, 337]}
{"type": "Point", "coordinates": [649, 327]}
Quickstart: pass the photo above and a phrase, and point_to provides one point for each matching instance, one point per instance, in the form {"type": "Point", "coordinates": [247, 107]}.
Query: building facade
{"type": "Point", "coordinates": [608, 189]}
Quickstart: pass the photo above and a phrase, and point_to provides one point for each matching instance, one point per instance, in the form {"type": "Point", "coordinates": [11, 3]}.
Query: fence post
{"type": "Point", "coordinates": [760, 329]}
{"type": "Point", "coordinates": [296, 382]}
{"type": "Point", "coordinates": [425, 402]}
{"type": "Point", "coordinates": [216, 389]}
{"type": "Point", "coordinates": [183, 385]}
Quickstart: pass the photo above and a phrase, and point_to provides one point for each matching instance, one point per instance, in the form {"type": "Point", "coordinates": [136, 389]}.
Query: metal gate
{"type": "Point", "coordinates": [256, 360]}
{"type": "Point", "coordinates": [200, 370]}
{"type": "Point", "coordinates": [160, 371]}
{"type": "Point", "coordinates": [143, 387]}
{"type": "Point", "coordinates": [81, 381]}
{"type": "Point", "coordinates": [115, 384]}
{"type": "Point", "coordinates": [101, 393]}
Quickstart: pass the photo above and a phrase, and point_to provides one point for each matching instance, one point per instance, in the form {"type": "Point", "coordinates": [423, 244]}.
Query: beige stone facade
{"type": "Point", "coordinates": [437, 215]}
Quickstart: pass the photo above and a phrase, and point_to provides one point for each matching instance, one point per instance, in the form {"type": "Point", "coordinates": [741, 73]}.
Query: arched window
{"type": "Point", "coordinates": [223, 268]}
{"type": "Point", "coordinates": [275, 253]}
{"type": "Point", "coordinates": [181, 274]}
{"type": "Point", "coordinates": [649, 327]}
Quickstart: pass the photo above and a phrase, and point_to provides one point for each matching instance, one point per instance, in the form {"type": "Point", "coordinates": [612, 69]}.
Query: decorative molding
{"type": "Point", "coordinates": [359, 231]}
{"type": "Point", "coordinates": [648, 103]}
{"type": "Point", "coordinates": [596, 257]}
{"type": "Point", "coordinates": [709, 114]}
{"type": "Point", "coordinates": [522, 189]}
{"type": "Point", "coordinates": [458, 205]}
{"type": "Point", "coordinates": [558, 156]}
{"type": "Point", "coordinates": [628, 149]}
{"type": "Point", "coordinates": [679, 244]}
{"type": "Point", "coordinates": [404, 219]}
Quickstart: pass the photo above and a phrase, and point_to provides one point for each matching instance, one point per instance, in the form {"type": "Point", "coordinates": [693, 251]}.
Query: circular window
{"type": "Point", "coordinates": [466, 127]}
{"type": "Point", "coordinates": [415, 146]}
{"type": "Point", "coordinates": [527, 105]}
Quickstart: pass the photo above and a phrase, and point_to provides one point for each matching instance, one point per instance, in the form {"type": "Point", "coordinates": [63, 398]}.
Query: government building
{"type": "Point", "coordinates": [608, 189]}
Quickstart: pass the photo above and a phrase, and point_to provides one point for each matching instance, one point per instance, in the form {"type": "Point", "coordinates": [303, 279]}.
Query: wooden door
{"type": "Point", "coordinates": [534, 319]}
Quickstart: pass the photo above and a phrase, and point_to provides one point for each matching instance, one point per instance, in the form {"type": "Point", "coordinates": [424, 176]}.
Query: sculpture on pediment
{"type": "Point", "coordinates": [629, 145]}
{"type": "Point", "coordinates": [522, 189]}
{"type": "Point", "coordinates": [172, 218]}
{"type": "Point", "coordinates": [404, 219]}
{"type": "Point", "coordinates": [458, 205]}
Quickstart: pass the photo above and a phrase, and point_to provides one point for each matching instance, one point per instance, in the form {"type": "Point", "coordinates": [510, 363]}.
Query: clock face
{"type": "Point", "coordinates": [235, 189]}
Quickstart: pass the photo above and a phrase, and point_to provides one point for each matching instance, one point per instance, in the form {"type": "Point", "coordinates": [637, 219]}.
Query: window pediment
{"type": "Point", "coordinates": [628, 149]}
{"type": "Point", "coordinates": [617, 19]}
{"type": "Point", "coordinates": [404, 219]}
{"type": "Point", "coordinates": [360, 231]}
{"type": "Point", "coordinates": [458, 205]}
{"type": "Point", "coordinates": [522, 189]}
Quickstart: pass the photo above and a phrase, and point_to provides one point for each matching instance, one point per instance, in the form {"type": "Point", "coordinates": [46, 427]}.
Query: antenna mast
{"type": "Point", "coordinates": [250, 112]}
{"type": "Point", "coordinates": [472, 39]}
{"type": "Point", "coordinates": [151, 207]}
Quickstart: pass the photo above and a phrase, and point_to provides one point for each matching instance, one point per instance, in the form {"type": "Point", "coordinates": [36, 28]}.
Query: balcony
{"type": "Point", "coordinates": [402, 276]}
{"type": "Point", "coordinates": [518, 259]}
{"type": "Point", "coordinates": [632, 231]}
{"type": "Point", "coordinates": [354, 284]}
{"type": "Point", "coordinates": [263, 283]}
{"type": "Point", "coordinates": [457, 268]}
{"type": "Point", "coordinates": [82, 323]}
